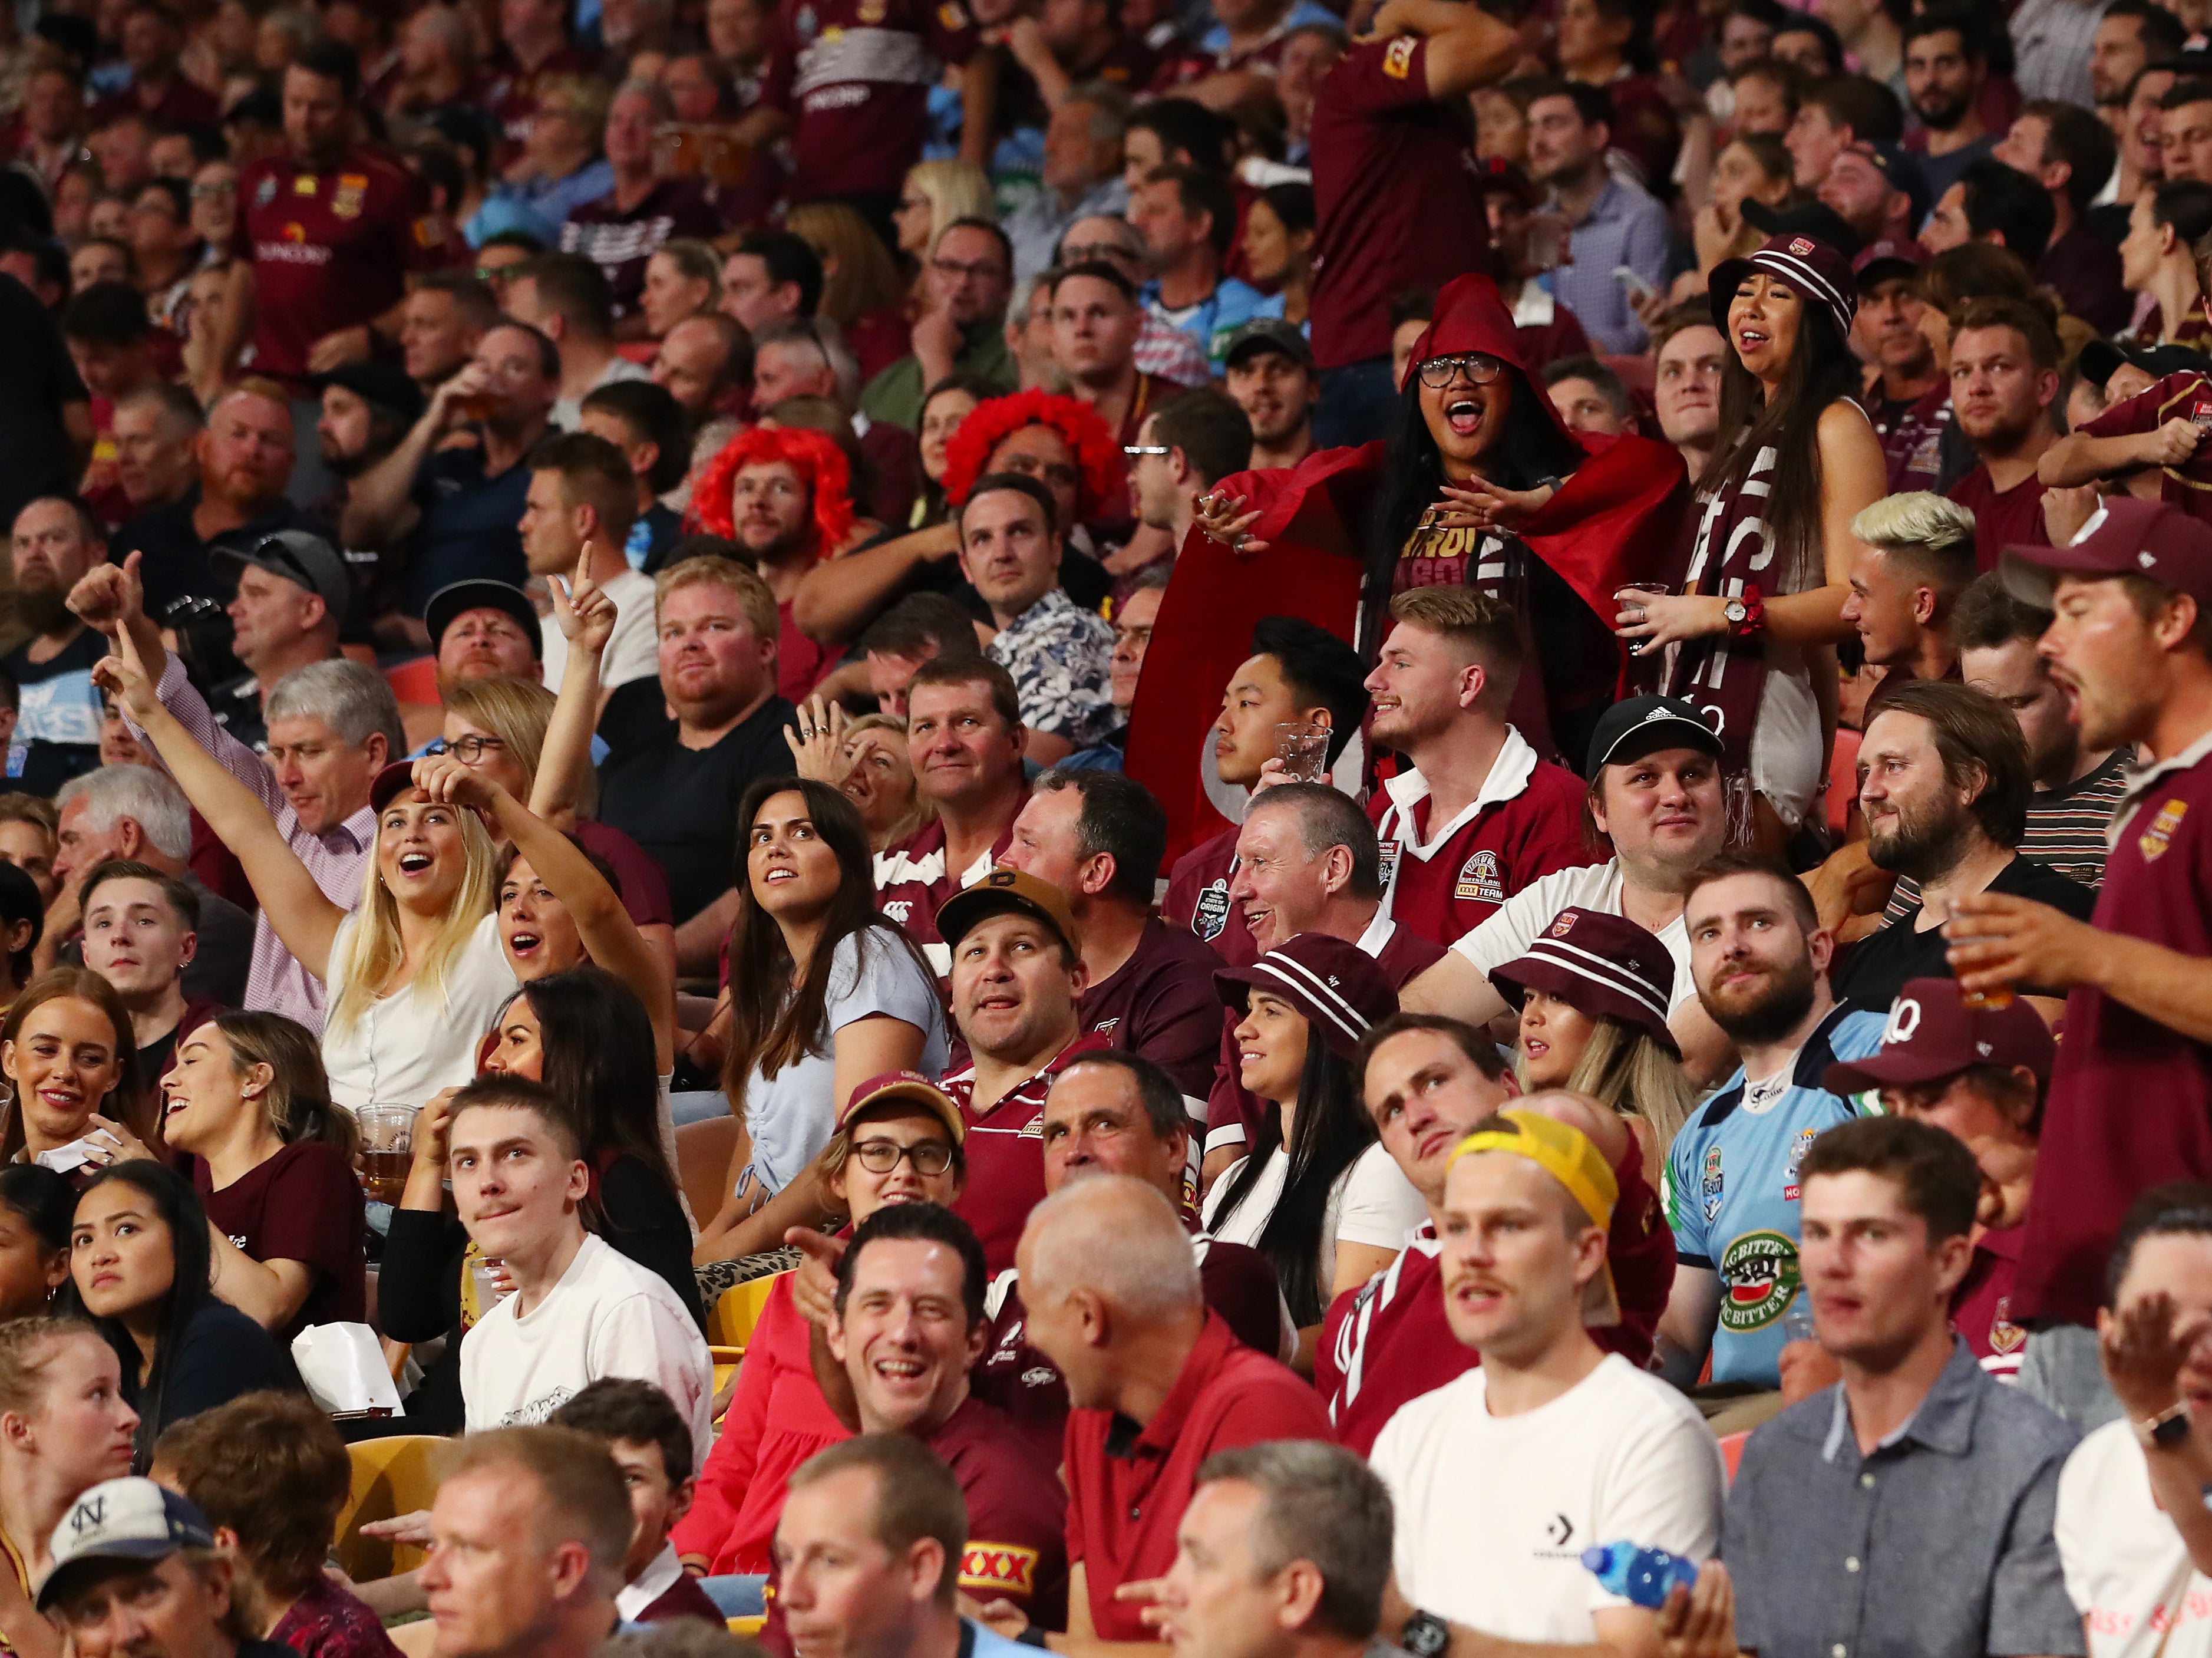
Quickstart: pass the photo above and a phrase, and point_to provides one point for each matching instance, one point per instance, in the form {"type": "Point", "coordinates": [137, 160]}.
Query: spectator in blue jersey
{"type": "Point", "coordinates": [1760, 960]}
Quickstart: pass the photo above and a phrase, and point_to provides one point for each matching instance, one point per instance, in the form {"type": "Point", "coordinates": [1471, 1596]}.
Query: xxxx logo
{"type": "Point", "coordinates": [1005, 1567]}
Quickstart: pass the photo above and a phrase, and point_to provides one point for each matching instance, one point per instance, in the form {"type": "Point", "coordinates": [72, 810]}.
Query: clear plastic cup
{"type": "Point", "coordinates": [387, 1149]}
{"type": "Point", "coordinates": [1302, 748]}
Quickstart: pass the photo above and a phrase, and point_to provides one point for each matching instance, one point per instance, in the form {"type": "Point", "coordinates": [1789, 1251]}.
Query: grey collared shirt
{"type": "Point", "coordinates": [1936, 1544]}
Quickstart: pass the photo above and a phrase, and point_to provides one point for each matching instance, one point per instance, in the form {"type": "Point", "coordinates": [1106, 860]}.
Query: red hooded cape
{"type": "Point", "coordinates": [1617, 519]}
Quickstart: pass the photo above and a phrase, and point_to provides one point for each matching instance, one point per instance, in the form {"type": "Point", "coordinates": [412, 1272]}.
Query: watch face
{"type": "Point", "coordinates": [1735, 611]}
{"type": "Point", "coordinates": [1425, 1635]}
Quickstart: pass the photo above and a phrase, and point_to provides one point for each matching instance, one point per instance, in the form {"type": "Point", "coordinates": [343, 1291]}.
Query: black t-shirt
{"type": "Point", "coordinates": [58, 722]}
{"type": "Point", "coordinates": [1879, 966]}
{"type": "Point", "coordinates": [681, 804]}
{"type": "Point", "coordinates": [36, 380]}
{"type": "Point", "coordinates": [222, 1355]}
{"type": "Point", "coordinates": [175, 563]}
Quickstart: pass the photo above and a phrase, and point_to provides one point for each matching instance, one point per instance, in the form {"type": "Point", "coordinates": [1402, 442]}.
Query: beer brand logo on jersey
{"type": "Point", "coordinates": [2156, 838]}
{"type": "Point", "coordinates": [1479, 880]}
{"type": "Point", "coordinates": [1210, 913]}
{"type": "Point", "coordinates": [1398, 60]}
{"type": "Point", "coordinates": [2200, 414]}
{"type": "Point", "coordinates": [1798, 1147]}
{"type": "Point", "coordinates": [1759, 1275]}
{"type": "Point", "coordinates": [1387, 863]}
{"type": "Point", "coordinates": [2005, 1336]}
{"type": "Point", "coordinates": [1004, 1566]}
{"type": "Point", "coordinates": [1032, 1130]}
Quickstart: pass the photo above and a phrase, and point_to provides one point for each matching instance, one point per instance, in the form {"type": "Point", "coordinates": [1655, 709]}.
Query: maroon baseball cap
{"type": "Point", "coordinates": [1933, 1034]}
{"type": "Point", "coordinates": [1888, 257]}
{"type": "Point", "coordinates": [1599, 964]}
{"type": "Point", "coordinates": [2124, 537]}
{"type": "Point", "coordinates": [1496, 175]}
{"type": "Point", "coordinates": [395, 779]}
{"type": "Point", "coordinates": [1333, 983]}
{"type": "Point", "coordinates": [1820, 275]}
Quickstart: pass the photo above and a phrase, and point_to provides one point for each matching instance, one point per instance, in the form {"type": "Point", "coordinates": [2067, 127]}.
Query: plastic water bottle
{"type": "Point", "coordinates": [1644, 1576]}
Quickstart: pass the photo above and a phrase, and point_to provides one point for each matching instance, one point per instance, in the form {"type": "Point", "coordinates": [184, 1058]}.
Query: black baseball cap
{"type": "Point", "coordinates": [301, 557]}
{"type": "Point", "coordinates": [2102, 359]}
{"type": "Point", "coordinates": [1268, 334]}
{"type": "Point", "coordinates": [1639, 726]}
{"type": "Point", "coordinates": [481, 593]}
{"type": "Point", "coordinates": [386, 385]}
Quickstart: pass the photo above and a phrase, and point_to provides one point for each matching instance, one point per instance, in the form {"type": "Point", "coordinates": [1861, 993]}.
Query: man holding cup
{"type": "Point", "coordinates": [1476, 816]}
{"type": "Point", "coordinates": [2130, 1094]}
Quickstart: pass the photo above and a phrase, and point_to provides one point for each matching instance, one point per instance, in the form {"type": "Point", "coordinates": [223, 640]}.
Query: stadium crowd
{"type": "Point", "coordinates": [1082, 823]}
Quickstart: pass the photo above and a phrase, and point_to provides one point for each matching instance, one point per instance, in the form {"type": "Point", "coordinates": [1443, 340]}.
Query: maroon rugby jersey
{"type": "Point", "coordinates": [2184, 396]}
{"type": "Point", "coordinates": [854, 77]}
{"type": "Point", "coordinates": [1005, 1154]}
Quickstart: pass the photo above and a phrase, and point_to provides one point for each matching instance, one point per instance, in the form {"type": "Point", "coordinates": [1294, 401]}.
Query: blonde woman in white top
{"type": "Point", "coordinates": [415, 975]}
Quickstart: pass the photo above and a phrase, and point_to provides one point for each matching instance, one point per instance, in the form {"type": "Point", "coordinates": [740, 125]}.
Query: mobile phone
{"type": "Point", "coordinates": [1637, 287]}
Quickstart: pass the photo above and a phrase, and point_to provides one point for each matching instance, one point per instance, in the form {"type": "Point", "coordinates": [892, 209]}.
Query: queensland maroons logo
{"type": "Point", "coordinates": [1758, 1279]}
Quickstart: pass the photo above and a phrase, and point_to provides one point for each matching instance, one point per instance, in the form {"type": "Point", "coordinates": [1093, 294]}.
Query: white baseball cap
{"type": "Point", "coordinates": [129, 1519]}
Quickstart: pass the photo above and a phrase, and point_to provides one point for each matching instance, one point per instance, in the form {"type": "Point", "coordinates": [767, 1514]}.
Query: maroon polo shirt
{"type": "Point", "coordinates": [1390, 1341]}
{"type": "Point", "coordinates": [1444, 881]}
{"type": "Point", "coordinates": [1005, 1154]}
{"type": "Point", "coordinates": [1198, 899]}
{"type": "Point", "coordinates": [1232, 1114]}
{"type": "Point", "coordinates": [2130, 1104]}
{"type": "Point", "coordinates": [1127, 1485]}
{"type": "Point", "coordinates": [2002, 518]}
{"type": "Point", "coordinates": [1236, 1280]}
{"type": "Point", "coordinates": [1160, 1003]}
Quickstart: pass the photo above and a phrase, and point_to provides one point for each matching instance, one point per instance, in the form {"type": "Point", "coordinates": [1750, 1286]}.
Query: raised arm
{"type": "Point", "coordinates": [836, 599]}
{"type": "Point", "coordinates": [306, 921]}
{"type": "Point", "coordinates": [1467, 47]}
{"type": "Point", "coordinates": [380, 503]}
{"type": "Point", "coordinates": [2078, 458]}
{"type": "Point", "coordinates": [608, 933]}
{"type": "Point", "coordinates": [586, 616]}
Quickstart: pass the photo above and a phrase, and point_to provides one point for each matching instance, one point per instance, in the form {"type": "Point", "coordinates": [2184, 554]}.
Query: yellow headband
{"type": "Point", "coordinates": [1562, 1151]}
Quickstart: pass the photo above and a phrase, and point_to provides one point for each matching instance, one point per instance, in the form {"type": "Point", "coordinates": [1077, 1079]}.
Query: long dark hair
{"type": "Point", "coordinates": [1328, 1130]}
{"type": "Point", "coordinates": [597, 1039]}
{"type": "Point", "coordinates": [297, 1102]}
{"type": "Point", "coordinates": [191, 1288]}
{"type": "Point", "coordinates": [1821, 370]}
{"type": "Point", "coordinates": [768, 1027]}
{"type": "Point", "coordinates": [1530, 448]}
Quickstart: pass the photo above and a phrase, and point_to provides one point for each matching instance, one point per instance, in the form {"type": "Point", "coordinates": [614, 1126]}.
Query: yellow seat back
{"type": "Point", "coordinates": [730, 1324]}
{"type": "Point", "coordinates": [391, 1477]}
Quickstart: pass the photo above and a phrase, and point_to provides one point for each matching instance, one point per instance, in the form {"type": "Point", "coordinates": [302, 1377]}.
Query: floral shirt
{"type": "Point", "coordinates": [327, 1622]}
{"type": "Point", "coordinates": [1060, 657]}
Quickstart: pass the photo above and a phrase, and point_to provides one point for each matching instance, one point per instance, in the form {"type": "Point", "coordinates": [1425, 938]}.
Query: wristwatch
{"type": "Point", "coordinates": [1425, 1635]}
{"type": "Point", "coordinates": [2167, 1431]}
{"type": "Point", "coordinates": [1737, 612]}
{"type": "Point", "coordinates": [1745, 616]}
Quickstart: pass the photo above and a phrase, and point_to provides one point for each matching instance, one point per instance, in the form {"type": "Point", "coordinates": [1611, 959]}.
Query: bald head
{"type": "Point", "coordinates": [1117, 1237]}
{"type": "Point", "coordinates": [1606, 1130]}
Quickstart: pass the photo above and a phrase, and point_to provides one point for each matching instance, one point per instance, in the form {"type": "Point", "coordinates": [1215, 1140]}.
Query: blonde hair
{"type": "Point", "coordinates": [712, 570]}
{"type": "Point", "coordinates": [1916, 519]}
{"type": "Point", "coordinates": [26, 1348]}
{"type": "Point", "coordinates": [921, 809]}
{"type": "Point", "coordinates": [957, 190]}
{"type": "Point", "coordinates": [372, 951]}
{"type": "Point", "coordinates": [1625, 1069]}
{"type": "Point", "coordinates": [517, 712]}
{"type": "Point", "coordinates": [858, 277]}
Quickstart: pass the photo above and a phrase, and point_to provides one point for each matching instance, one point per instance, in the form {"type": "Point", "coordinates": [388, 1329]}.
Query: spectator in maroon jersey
{"type": "Point", "coordinates": [1099, 836]}
{"type": "Point", "coordinates": [533, 50]}
{"type": "Point", "coordinates": [1298, 673]}
{"type": "Point", "coordinates": [1114, 1300]}
{"type": "Point", "coordinates": [2071, 153]}
{"type": "Point", "coordinates": [1980, 1075]}
{"type": "Point", "coordinates": [1017, 976]}
{"type": "Point", "coordinates": [1911, 403]}
{"type": "Point", "coordinates": [621, 231]}
{"type": "Point", "coordinates": [158, 90]}
{"type": "Point", "coordinates": [1386, 111]}
{"type": "Point", "coordinates": [1476, 815]}
{"type": "Point", "coordinates": [1427, 1083]}
{"type": "Point", "coordinates": [909, 1320]}
{"type": "Point", "coordinates": [2128, 1095]}
{"type": "Point", "coordinates": [2004, 378]}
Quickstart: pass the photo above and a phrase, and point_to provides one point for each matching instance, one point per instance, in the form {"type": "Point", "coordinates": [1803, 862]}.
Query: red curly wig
{"type": "Point", "coordinates": [814, 456]}
{"type": "Point", "coordinates": [988, 424]}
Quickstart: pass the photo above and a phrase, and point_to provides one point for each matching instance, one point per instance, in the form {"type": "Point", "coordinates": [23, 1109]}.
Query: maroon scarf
{"type": "Point", "coordinates": [1733, 553]}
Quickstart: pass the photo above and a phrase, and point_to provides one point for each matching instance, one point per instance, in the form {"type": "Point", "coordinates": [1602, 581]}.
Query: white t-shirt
{"type": "Point", "coordinates": [406, 1047]}
{"type": "Point", "coordinates": [1523, 917]}
{"type": "Point", "coordinates": [1372, 1203]}
{"type": "Point", "coordinates": [1494, 1512]}
{"type": "Point", "coordinates": [792, 1114]}
{"type": "Point", "coordinates": [633, 649]}
{"type": "Point", "coordinates": [607, 1317]}
{"type": "Point", "coordinates": [2124, 1562]}
{"type": "Point", "coordinates": [568, 411]}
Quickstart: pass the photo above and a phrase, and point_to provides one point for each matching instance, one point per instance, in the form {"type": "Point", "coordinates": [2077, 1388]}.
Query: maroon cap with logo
{"type": "Point", "coordinates": [1891, 256]}
{"type": "Point", "coordinates": [1598, 964]}
{"type": "Point", "coordinates": [2124, 537]}
{"type": "Point", "coordinates": [1933, 1034]}
{"type": "Point", "coordinates": [1334, 985]}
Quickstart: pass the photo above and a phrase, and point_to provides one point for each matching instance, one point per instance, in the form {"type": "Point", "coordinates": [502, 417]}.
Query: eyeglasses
{"type": "Point", "coordinates": [981, 270]}
{"type": "Point", "coordinates": [1439, 372]}
{"type": "Point", "coordinates": [201, 192]}
{"type": "Point", "coordinates": [467, 750]}
{"type": "Point", "coordinates": [882, 1157]}
{"type": "Point", "coordinates": [1134, 450]}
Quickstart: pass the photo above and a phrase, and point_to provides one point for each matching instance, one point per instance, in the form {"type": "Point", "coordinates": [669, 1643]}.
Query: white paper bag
{"type": "Point", "coordinates": [342, 1365]}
